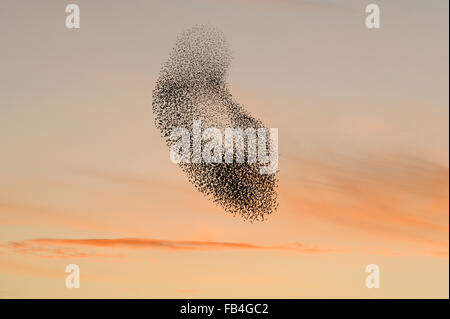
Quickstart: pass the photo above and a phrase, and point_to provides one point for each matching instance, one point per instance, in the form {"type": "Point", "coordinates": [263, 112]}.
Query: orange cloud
{"type": "Point", "coordinates": [395, 197]}
{"type": "Point", "coordinates": [70, 248]}
{"type": "Point", "coordinates": [50, 251]}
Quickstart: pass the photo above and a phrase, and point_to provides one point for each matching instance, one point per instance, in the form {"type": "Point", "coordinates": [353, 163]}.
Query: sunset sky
{"type": "Point", "coordinates": [362, 118]}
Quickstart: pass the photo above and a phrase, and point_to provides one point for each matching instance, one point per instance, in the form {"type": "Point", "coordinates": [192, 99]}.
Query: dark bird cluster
{"type": "Point", "coordinates": [192, 86]}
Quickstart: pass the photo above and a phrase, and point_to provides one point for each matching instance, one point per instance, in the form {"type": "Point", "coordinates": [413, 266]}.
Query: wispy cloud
{"type": "Point", "coordinates": [397, 197]}
{"type": "Point", "coordinates": [89, 248]}
{"type": "Point", "coordinates": [73, 248]}
{"type": "Point", "coordinates": [52, 251]}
